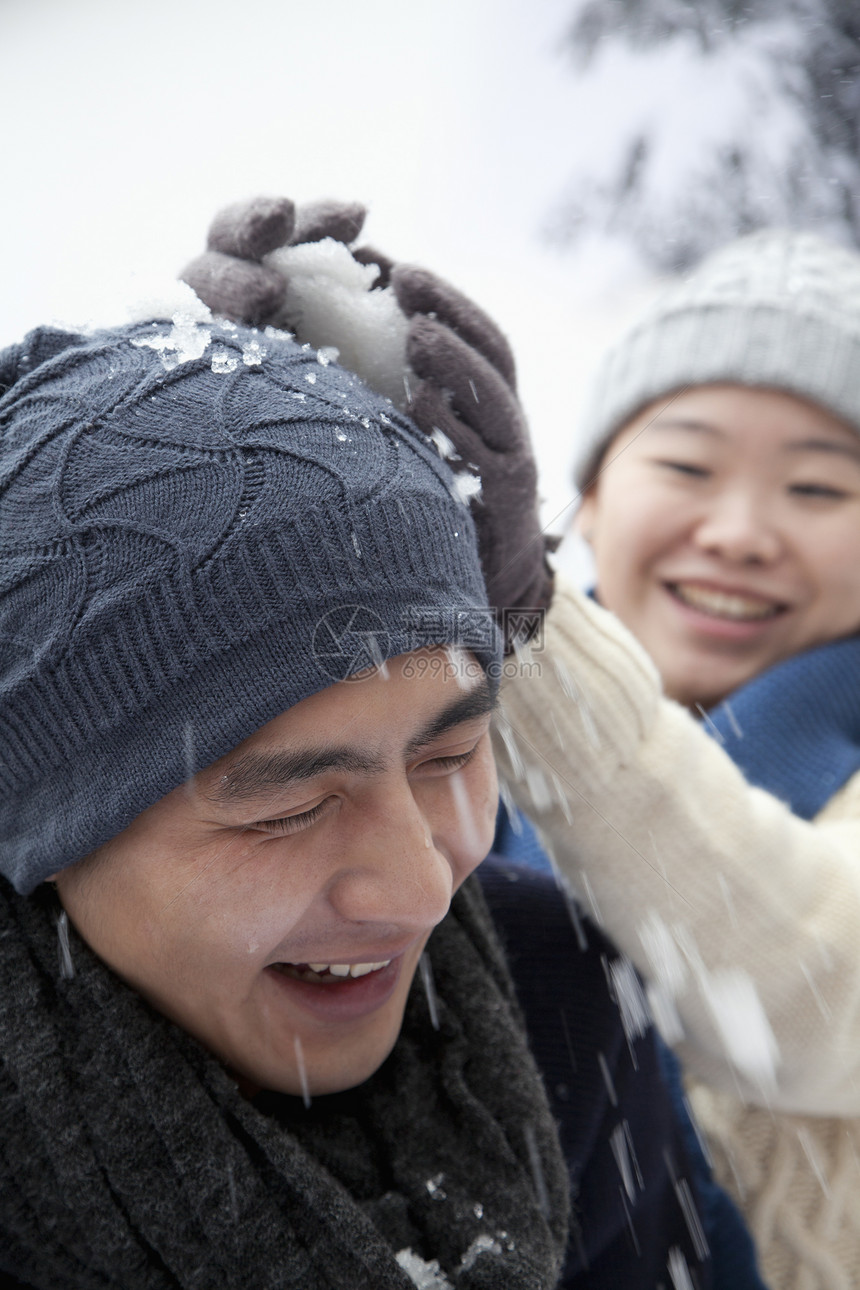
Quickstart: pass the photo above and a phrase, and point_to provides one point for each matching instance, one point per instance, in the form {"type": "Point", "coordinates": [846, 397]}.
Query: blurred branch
{"type": "Point", "coordinates": [763, 127]}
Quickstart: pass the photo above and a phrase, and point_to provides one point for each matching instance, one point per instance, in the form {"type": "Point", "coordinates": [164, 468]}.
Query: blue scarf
{"type": "Point", "coordinates": [795, 729]}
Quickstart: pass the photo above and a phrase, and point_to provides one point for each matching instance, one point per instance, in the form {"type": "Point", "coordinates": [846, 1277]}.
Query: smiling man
{"type": "Point", "coordinates": [257, 1026]}
{"type": "Point", "coordinates": [281, 917]}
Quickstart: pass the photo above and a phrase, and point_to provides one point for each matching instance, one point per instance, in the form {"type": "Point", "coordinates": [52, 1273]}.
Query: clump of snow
{"type": "Point", "coordinates": [67, 967]}
{"type": "Point", "coordinates": [562, 794]}
{"type": "Point", "coordinates": [537, 1169]}
{"type": "Point", "coordinates": [425, 1276]}
{"type": "Point", "coordinates": [465, 486]}
{"type": "Point", "coordinates": [186, 341]}
{"type": "Point", "coordinates": [329, 304]}
{"type": "Point", "coordinates": [621, 1143]}
{"type": "Point", "coordinates": [630, 997]}
{"type": "Point", "coordinates": [744, 1028]}
{"type": "Point", "coordinates": [483, 1244]}
{"type": "Point", "coordinates": [730, 995]}
{"type": "Point", "coordinates": [665, 960]}
{"type": "Point", "coordinates": [607, 1078]}
{"type": "Point", "coordinates": [462, 665]}
{"type": "Point", "coordinates": [443, 444]}
{"type": "Point", "coordinates": [588, 892]}
{"type": "Point", "coordinates": [538, 788]}
{"type": "Point", "coordinates": [691, 1218]}
{"type": "Point", "coordinates": [224, 361]}
{"type": "Point", "coordinates": [253, 353]}
{"type": "Point", "coordinates": [302, 1069]}
{"type": "Point", "coordinates": [571, 691]}
{"type": "Point", "coordinates": [430, 991]}
{"type": "Point", "coordinates": [667, 1019]}
{"type": "Point", "coordinates": [506, 732]}
{"type": "Point", "coordinates": [679, 1270]}
{"type": "Point", "coordinates": [165, 298]}
{"type": "Point", "coordinates": [435, 1188]}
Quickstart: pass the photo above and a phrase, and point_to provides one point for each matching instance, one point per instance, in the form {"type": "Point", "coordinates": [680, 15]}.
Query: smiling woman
{"type": "Point", "coordinates": [725, 524]}
{"type": "Point", "coordinates": [720, 839]}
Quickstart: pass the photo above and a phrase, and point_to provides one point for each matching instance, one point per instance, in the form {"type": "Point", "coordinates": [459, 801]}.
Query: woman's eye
{"type": "Point", "coordinates": [686, 468]}
{"type": "Point", "coordinates": [818, 490]}
{"type": "Point", "coordinates": [292, 823]}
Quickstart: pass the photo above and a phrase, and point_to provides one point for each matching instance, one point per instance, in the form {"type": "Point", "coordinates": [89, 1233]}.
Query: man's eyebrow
{"type": "Point", "coordinates": [478, 702]}
{"type": "Point", "coordinates": [254, 774]}
{"type": "Point", "coordinates": [834, 446]}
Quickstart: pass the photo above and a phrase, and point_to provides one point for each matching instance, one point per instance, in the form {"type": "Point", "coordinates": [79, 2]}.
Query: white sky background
{"type": "Point", "coordinates": [128, 124]}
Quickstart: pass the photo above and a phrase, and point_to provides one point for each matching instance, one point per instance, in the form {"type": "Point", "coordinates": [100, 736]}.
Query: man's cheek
{"type": "Point", "coordinates": [490, 790]}
{"type": "Point", "coordinates": [483, 808]}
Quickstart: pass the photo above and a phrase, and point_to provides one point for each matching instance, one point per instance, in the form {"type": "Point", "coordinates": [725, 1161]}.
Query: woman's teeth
{"type": "Point", "coordinates": [328, 971]}
{"type": "Point", "coordinates": [722, 604]}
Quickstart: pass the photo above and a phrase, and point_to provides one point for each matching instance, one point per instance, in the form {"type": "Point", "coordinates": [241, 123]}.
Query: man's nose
{"type": "Point", "coordinates": [393, 873]}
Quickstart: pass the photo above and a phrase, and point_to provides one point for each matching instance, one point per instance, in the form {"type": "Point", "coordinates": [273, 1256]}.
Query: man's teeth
{"type": "Point", "coordinates": [347, 969]}
{"type": "Point", "coordinates": [722, 604]}
{"type": "Point", "coordinates": [326, 973]}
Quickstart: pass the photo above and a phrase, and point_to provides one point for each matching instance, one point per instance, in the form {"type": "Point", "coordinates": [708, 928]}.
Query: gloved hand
{"type": "Point", "coordinates": [467, 389]}
{"type": "Point", "coordinates": [466, 386]}
{"type": "Point", "coordinates": [230, 278]}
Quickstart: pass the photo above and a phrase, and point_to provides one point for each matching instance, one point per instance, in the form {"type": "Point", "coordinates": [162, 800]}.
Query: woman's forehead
{"type": "Point", "coordinates": [725, 412]}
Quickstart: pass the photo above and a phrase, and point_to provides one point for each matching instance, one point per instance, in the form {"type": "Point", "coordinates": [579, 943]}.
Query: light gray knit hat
{"type": "Point", "coordinates": [777, 309]}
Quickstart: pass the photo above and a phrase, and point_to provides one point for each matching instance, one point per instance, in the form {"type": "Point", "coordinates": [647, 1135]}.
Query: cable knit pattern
{"type": "Point", "coordinates": [744, 917]}
{"type": "Point", "coordinates": [797, 1180]}
{"type": "Point", "coordinates": [775, 309]}
{"type": "Point", "coordinates": [180, 507]}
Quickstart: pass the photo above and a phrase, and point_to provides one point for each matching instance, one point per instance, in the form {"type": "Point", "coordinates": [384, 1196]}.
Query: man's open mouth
{"type": "Point", "coordinates": [328, 973]}
{"type": "Point", "coordinates": [725, 604]}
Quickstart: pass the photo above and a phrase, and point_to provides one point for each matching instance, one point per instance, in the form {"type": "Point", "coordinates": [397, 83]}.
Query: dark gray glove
{"type": "Point", "coordinates": [229, 277]}
{"type": "Point", "coordinates": [467, 389]}
{"type": "Point", "coordinates": [466, 383]}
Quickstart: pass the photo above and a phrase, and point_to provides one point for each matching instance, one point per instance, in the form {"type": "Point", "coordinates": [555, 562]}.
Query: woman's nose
{"type": "Point", "coordinates": [739, 528]}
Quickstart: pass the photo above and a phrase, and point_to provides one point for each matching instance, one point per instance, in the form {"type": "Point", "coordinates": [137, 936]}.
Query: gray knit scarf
{"type": "Point", "coordinates": [130, 1160]}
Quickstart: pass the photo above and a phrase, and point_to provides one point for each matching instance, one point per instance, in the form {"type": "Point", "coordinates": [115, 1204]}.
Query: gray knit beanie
{"type": "Point", "coordinates": [199, 527]}
{"type": "Point", "coordinates": [776, 309]}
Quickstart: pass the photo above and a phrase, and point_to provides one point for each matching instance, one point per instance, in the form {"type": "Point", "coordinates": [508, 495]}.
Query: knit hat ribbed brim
{"type": "Point", "coordinates": [199, 528]}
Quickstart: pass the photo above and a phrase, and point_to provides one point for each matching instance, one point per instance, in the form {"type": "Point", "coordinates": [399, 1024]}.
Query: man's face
{"type": "Point", "coordinates": [725, 526]}
{"type": "Point", "coordinates": [334, 836]}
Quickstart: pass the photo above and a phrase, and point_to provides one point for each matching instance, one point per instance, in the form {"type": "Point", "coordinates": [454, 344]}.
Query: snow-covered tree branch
{"type": "Point", "coordinates": [698, 120]}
